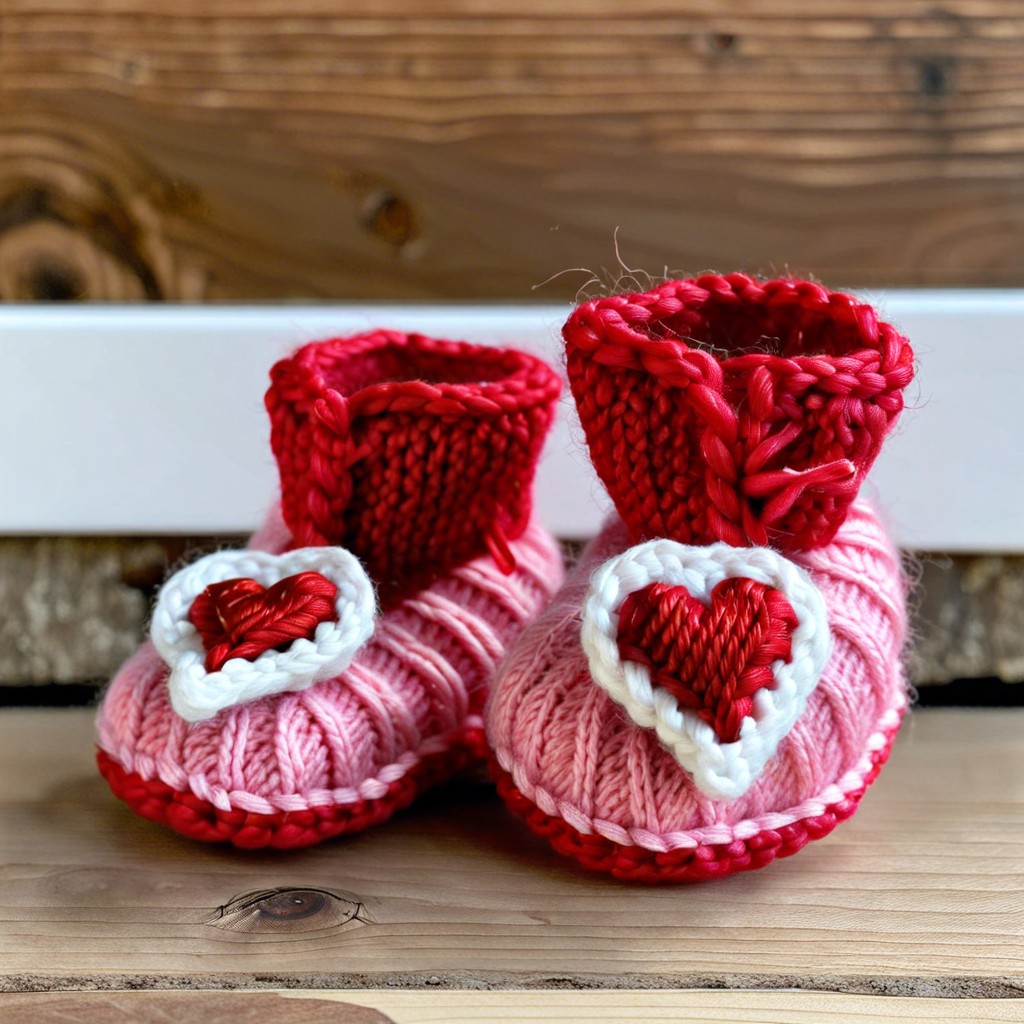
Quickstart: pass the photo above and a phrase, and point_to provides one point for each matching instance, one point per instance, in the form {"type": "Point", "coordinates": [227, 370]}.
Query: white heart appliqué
{"type": "Point", "coordinates": [721, 770]}
{"type": "Point", "coordinates": [198, 694]}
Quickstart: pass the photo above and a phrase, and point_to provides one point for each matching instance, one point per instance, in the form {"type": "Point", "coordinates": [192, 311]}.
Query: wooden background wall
{"type": "Point", "coordinates": [274, 149]}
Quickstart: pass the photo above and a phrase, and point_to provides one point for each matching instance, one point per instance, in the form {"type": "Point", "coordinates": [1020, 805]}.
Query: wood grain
{"type": "Point", "coordinates": [918, 895]}
{"type": "Point", "coordinates": [447, 1007]}
{"type": "Point", "coordinates": [453, 148]}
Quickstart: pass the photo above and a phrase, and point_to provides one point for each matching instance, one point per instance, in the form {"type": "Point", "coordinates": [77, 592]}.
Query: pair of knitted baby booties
{"type": "Point", "coordinates": [715, 684]}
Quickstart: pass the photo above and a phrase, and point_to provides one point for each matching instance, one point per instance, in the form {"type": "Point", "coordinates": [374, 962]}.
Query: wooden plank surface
{"type": "Point", "coordinates": [448, 148]}
{"type": "Point", "coordinates": [447, 1007]}
{"type": "Point", "coordinates": [919, 895]}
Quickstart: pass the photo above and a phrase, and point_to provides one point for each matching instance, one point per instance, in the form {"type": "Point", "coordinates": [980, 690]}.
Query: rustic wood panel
{"type": "Point", "coordinates": [447, 1007]}
{"type": "Point", "coordinates": [73, 608]}
{"type": "Point", "coordinates": [968, 619]}
{"type": "Point", "coordinates": [919, 895]}
{"type": "Point", "coordinates": [455, 148]}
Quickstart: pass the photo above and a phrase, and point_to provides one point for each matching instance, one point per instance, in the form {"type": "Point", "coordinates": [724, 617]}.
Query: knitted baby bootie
{"type": "Point", "coordinates": [720, 678]}
{"type": "Point", "coordinates": [314, 683]}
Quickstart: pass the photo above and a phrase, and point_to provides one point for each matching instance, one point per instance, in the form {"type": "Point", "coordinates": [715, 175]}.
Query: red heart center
{"type": "Point", "coordinates": [712, 658]}
{"type": "Point", "coordinates": [240, 618]}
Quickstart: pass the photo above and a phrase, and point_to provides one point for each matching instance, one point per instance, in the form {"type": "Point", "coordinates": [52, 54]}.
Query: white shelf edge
{"type": "Point", "coordinates": [149, 419]}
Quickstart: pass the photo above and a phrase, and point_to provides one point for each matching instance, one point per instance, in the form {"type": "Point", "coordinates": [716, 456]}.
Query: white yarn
{"type": "Point", "coordinates": [196, 694]}
{"type": "Point", "coordinates": [723, 771]}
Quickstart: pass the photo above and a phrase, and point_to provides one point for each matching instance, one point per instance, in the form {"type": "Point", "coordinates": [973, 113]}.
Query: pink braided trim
{"type": "Point", "coordinates": [851, 784]}
{"type": "Point", "coordinates": [284, 830]}
{"type": "Point", "coordinates": [699, 863]}
{"type": "Point", "coordinates": [373, 788]}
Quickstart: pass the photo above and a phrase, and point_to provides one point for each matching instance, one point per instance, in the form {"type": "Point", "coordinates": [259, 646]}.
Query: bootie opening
{"type": "Point", "coordinates": [736, 315]}
{"type": "Point", "coordinates": [387, 359]}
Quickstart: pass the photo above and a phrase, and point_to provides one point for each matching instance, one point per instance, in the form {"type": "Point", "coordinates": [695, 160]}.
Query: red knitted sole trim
{"type": "Point", "coordinates": [197, 818]}
{"type": "Point", "coordinates": [697, 864]}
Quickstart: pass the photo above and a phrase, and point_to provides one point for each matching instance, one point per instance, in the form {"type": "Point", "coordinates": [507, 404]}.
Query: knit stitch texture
{"type": "Point", "coordinates": [412, 694]}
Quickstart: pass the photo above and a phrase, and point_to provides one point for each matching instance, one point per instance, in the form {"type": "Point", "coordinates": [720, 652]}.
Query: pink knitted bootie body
{"type": "Point", "coordinates": [316, 682]}
{"type": "Point", "coordinates": [720, 678]}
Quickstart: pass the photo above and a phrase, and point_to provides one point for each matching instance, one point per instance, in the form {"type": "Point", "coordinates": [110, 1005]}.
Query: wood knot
{"type": "Point", "coordinates": [290, 909]}
{"type": "Point", "coordinates": [50, 279]}
{"type": "Point", "coordinates": [391, 218]}
{"type": "Point", "coordinates": [935, 77]}
{"type": "Point", "coordinates": [721, 42]}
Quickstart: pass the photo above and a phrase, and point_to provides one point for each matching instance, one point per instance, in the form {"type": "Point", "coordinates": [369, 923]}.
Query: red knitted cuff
{"type": "Point", "coordinates": [416, 454]}
{"type": "Point", "coordinates": [727, 408]}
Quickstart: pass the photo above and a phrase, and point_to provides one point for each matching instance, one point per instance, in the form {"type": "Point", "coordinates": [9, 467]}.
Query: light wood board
{"type": "Point", "coordinates": [920, 894]}
{"type": "Point", "coordinates": [460, 1007]}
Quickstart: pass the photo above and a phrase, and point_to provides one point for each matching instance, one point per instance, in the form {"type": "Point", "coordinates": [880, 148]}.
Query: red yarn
{"type": "Point", "coordinates": [287, 830]}
{"type": "Point", "coordinates": [631, 863]}
{"type": "Point", "coordinates": [727, 408]}
{"type": "Point", "coordinates": [418, 455]}
{"type": "Point", "coordinates": [712, 659]}
{"type": "Point", "coordinates": [240, 618]}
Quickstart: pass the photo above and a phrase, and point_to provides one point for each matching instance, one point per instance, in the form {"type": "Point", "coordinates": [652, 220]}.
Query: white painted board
{"type": "Point", "coordinates": [149, 419]}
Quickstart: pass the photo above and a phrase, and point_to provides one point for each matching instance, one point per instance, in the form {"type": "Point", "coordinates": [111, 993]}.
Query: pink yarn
{"type": "Point", "coordinates": [574, 753]}
{"type": "Point", "coordinates": [418, 681]}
